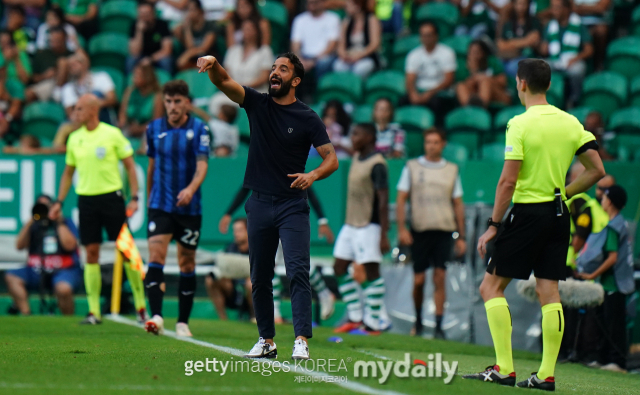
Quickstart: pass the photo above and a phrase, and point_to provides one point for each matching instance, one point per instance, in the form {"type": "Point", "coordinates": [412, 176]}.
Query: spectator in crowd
{"type": "Point", "coordinates": [430, 69]}
{"type": "Point", "coordinates": [246, 10]}
{"type": "Point", "coordinates": [486, 82]}
{"type": "Point", "coordinates": [248, 62]}
{"type": "Point", "coordinates": [359, 40]}
{"type": "Point", "coordinates": [141, 102]}
{"type": "Point", "coordinates": [389, 12]}
{"type": "Point", "coordinates": [82, 81]}
{"type": "Point", "coordinates": [218, 10]}
{"type": "Point", "coordinates": [613, 266]}
{"type": "Point", "coordinates": [518, 36]}
{"type": "Point", "coordinates": [594, 15]}
{"type": "Point", "coordinates": [475, 20]}
{"type": "Point", "coordinates": [171, 10]}
{"type": "Point", "coordinates": [14, 59]}
{"type": "Point", "coordinates": [595, 125]}
{"type": "Point", "coordinates": [55, 19]}
{"type": "Point", "coordinates": [390, 138]}
{"type": "Point", "coordinates": [196, 35]}
{"type": "Point", "coordinates": [314, 37]}
{"type": "Point", "coordinates": [53, 252]}
{"type": "Point", "coordinates": [23, 36]}
{"type": "Point", "coordinates": [223, 291]}
{"type": "Point", "coordinates": [50, 67]}
{"type": "Point", "coordinates": [10, 103]}
{"type": "Point", "coordinates": [33, 10]}
{"type": "Point", "coordinates": [28, 144]}
{"type": "Point", "coordinates": [82, 14]}
{"type": "Point", "coordinates": [338, 124]}
{"type": "Point", "coordinates": [567, 44]}
{"type": "Point", "coordinates": [226, 136]}
{"type": "Point", "coordinates": [150, 40]}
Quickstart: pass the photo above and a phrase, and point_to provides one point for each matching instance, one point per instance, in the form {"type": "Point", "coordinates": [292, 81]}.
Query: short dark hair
{"type": "Point", "coordinates": [144, 3]}
{"type": "Point", "coordinates": [566, 3]}
{"type": "Point", "coordinates": [57, 29]}
{"type": "Point", "coordinates": [432, 24]}
{"type": "Point", "coordinates": [369, 128]}
{"type": "Point", "coordinates": [435, 130]}
{"type": "Point", "coordinates": [230, 112]}
{"type": "Point", "coordinates": [197, 3]}
{"type": "Point", "coordinates": [176, 87]}
{"type": "Point", "coordinates": [17, 8]}
{"type": "Point", "coordinates": [298, 68]}
{"type": "Point", "coordinates": [537, 73]}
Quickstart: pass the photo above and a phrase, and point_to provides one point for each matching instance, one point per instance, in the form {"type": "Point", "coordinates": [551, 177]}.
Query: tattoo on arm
{"type": "Point", "coordinates": [327, 149]}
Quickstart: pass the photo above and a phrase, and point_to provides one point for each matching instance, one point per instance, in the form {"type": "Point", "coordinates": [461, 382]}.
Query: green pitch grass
{"type": "Point", "coordinates": [55, 355]}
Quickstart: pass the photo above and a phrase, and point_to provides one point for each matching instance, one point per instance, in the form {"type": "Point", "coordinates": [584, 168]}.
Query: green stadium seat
{"type": "Point", "coordinates": [385, 84]}
{"type": "Point", "coordinates": [459, 44]}
{"type": "Point", "coordinates": [504, 116]}
{"type": "Point", "coordinates": [635, 21]}
{"type": "Point", "coordinates": [278, 17]}
{"type": "Point", "coordinates": [42, 119]}
{"type": "Point", "coordinates": [456, 153]}
{"type": "Point", "coordinates": [117, 16]}
{"type": "Point", "coordinates": [117, 76]}
{"type": "Point", "coordinates": [401, 48]}
{"type": "Point", "coordinates": [628, 147]}
{"type": "Point", "coordinates": [634, 90]}
{"type": "Point", "coordinates": [581, 113]}
{"type": "Point", "coordinates": [317, 108]}
{"type": "Point", "coordinates": [109, 49]}
{"type": "Point", "coordinates": [243, 150]}
{"type": "Point", "coordinates": [555, 94]}
{"type": "Point", "coordinates": [623, 56]}
{"type": "Point", "coordinates": [626, 121]}
{"type": "Point", "coordinates": [362, 114]}
{"type": "Point", "coordinates": [468, 126]}
{"type": "Point", "coordinates": [493, 152]}
{"type": "Point", "coordinates": [242, 122]}
{"type": "Point", "coordinates": [606, 91]}
{"type": "Point", "coordinates": [200, 87]}
{"type": "Point", "coordinates": [414, 121]}
{"type": "Point", "coordinates": [345, 87]}
{"type": "Point", "coordinates": [445, 15]}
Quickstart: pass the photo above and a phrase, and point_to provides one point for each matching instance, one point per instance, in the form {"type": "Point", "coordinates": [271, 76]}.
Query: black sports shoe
{"type": "Point", "coordinates": [548, 384]}
{"type": "Point", "coordinates": [91, 319]}
{"type": "Point", "coordinates": [492, 375]}
{"type": "Point", "coordinates": [439, 334]}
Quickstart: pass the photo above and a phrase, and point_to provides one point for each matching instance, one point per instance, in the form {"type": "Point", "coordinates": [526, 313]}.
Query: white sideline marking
{"type": "Point", "coordinates": [130, 388]}
{"type": "Point", "coordinates": [356, 387]}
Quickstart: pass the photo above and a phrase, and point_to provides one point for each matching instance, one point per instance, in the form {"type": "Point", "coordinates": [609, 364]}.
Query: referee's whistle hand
{"type": "Point", "coordinates": [484, 239]}
{"type": "Point", "coordinates": [205, 63]}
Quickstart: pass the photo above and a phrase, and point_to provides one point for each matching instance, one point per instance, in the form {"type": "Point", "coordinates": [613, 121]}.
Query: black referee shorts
{"type": "Point", "coordinates": [430, 248]}
{"type": "Point", "coordinates": [101, 212]}
{"type": "Point", "coordinates": [532, 238]}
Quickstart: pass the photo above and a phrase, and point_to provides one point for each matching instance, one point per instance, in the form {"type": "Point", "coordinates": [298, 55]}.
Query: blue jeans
{"type": "Point", "coordinates": [395, 23]}
{"type": "Point", "coordinates": [31, 277]}
{"type": "Point", "coordinates": [269, 219]}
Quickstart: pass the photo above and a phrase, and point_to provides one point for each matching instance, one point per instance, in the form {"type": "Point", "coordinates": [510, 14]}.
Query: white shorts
{"type": "Point", "coordinates": [360, 245]}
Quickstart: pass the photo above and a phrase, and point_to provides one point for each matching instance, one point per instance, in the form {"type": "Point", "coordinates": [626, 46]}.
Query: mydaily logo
{"type": "Point", "coordinates": [434, 367]}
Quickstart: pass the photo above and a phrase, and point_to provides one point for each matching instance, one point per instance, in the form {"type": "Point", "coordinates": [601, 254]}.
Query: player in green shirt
{"type": "Point", "coordinates": [94, 151]}
{"type": "Point", "coordinates": [540, 146]}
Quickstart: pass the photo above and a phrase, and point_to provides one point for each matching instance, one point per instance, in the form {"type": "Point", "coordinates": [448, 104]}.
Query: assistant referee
{"type": "Point", "coordinates": [540, 146]}
{"type": "Point", "coordinates": [94, 151]}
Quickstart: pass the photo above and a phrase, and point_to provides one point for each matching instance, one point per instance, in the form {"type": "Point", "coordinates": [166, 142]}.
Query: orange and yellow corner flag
{"type": "Point", "coordinates": [126, 245]}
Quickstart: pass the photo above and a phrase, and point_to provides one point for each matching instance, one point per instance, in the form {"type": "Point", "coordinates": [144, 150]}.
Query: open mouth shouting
{"type": "Point", "coordinates": [276, 83]}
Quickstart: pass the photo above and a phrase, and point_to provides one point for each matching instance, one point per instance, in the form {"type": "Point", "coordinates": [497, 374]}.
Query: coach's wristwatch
{"type": "Point", "coordinates": [491, 223]}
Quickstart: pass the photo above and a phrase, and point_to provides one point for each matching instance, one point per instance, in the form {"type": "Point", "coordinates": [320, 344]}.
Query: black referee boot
{"type": "Point", "coordinates": [548, 384]}
{"type": "Point", "coordinates": [492, 375]}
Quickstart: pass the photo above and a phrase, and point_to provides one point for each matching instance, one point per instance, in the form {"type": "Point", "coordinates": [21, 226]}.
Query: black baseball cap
{"type": "Point", "coordinates": [617, 195]}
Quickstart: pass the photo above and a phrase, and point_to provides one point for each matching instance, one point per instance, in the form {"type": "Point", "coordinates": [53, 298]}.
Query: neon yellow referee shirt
{"type": "Point", "coordinates": [545, 139]}
{"type": "Point", "coordinates": [95, 155]}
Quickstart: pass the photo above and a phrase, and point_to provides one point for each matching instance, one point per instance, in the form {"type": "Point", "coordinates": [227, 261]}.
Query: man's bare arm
{"type": "Point", "coordinates": [593, 172]}
{"type": "Point", "coordinates": [458, 210]}
{"type": "Point", "coordinates": [221, 79]}
{"type": "Point", "coordinates": [506, 188]}
{"type": "Point", "coordinates": [327, 167]}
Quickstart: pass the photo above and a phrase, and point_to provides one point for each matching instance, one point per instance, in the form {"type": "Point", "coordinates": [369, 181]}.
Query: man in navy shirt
{"type": "Point", "coordinates": [178, 151]}
{"type": "Point", "coordinates": [282, 132]}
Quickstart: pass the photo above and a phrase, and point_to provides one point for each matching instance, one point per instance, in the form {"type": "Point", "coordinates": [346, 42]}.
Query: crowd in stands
{"type": "Point", "coordinates": [403, 65]}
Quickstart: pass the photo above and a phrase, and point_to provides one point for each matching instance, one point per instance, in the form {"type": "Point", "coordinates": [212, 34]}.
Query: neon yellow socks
{"type": "Point", "coordinates": [93, 286]}
{"type": "Point", "coordinates": [552, 330]}
{"type": "Point", "coordinates": [135, 281]}
{"type": "Point", "coordinates": [499, 318]}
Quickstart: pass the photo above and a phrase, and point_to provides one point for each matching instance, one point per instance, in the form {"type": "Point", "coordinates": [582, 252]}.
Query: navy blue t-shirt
{"type": "Point", "coordinates": [176, 152]}
{"type": "Point", "coordinates": [281, 137]}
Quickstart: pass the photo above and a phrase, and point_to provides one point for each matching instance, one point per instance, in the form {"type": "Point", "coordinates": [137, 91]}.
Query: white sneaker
{"type": "Point", "coordinates": [594, 365]}
{"type": "Point", "coordinates": [300, 350]}
{"type": "Point", "coordinates": [155, 325]}
{"type": "Point", "coordinates": [182, 329]}
{"type": "Point", "coordinates": [327, 302]}
{"type": "Point", "coordinates": [262, 349]}
{"type": "Point", "coordinates": [613, 367]}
